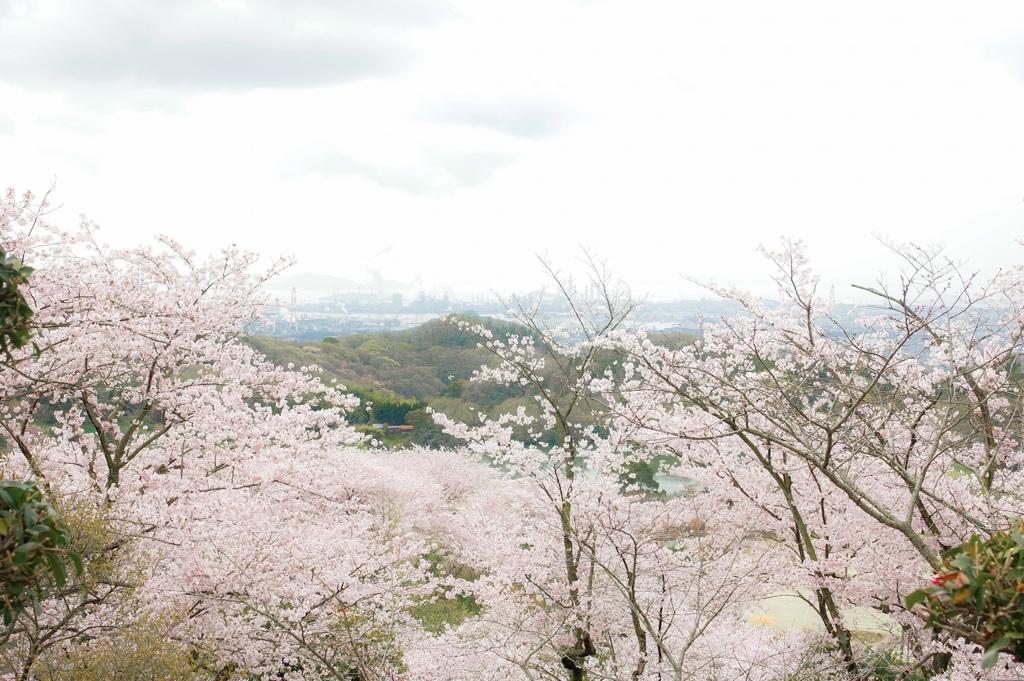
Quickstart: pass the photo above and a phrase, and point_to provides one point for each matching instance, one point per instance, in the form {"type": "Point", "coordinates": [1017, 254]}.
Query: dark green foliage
{"type": "Point", "coordinates": [378, 407]}
{"type": "Point", "coordinates": [32, 534]}
{"type": "Point", "coordinates": [15, 313]}
{"type": "Point", "coordinates": [33, 538]}
{"type": "Point", "coordinates": [639, 476]}
{"type": "Point", "coordinates": [426, 433]}
{"type": "Point", "coordinates": [979, 591]}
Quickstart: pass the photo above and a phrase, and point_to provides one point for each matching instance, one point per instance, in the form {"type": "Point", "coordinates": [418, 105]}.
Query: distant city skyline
{"type": "Point", "coordinates": [447, 142]}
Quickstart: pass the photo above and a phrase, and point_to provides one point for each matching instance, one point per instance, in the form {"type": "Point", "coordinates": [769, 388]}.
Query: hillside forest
{"type": "Point", "coordinates": [400, 376]}
{"type": "Point", "coordinates": [194, 502]}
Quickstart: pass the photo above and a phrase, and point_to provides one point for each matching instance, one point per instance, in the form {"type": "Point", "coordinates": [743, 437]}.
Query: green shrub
{"type": "Point", "coordinates": [33, 538]}
{"type": "Point", "coordinates": [978, 593]}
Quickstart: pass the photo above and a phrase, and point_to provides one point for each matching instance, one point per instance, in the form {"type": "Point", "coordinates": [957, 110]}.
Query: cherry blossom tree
{"type": "Point", "coordinates": [865, 441]}
{"type": "Point", "coordinates": [831, 453]}
{"type": "Point", "coordinates": [835, 454]}
{"type": "Point", "coordinates": [214, 490]}
{"type": "Point", "coordinates": [588, 578]}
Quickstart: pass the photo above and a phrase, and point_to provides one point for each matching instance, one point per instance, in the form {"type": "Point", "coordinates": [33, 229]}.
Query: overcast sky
{"type": "Point", "coordinates": [451, 140]}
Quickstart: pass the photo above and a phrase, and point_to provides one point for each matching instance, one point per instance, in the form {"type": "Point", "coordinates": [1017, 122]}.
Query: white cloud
{"type": "Point", "coordinates": [519, 117]}
{"type": "Point", "coordinates": [439, 172]}
{"type": "Point", "coordinates": [670, 136]}
{"type": "Point", "coordinates": [191, 45]}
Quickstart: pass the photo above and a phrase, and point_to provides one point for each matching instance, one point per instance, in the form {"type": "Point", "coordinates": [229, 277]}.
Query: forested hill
{"type": "Point", "coordinates": [403, 372]}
